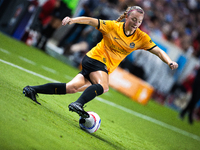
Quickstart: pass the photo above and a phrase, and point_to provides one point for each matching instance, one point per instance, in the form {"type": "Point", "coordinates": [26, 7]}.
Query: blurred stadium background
{"type": "Point", "coordinates": [173, 25]}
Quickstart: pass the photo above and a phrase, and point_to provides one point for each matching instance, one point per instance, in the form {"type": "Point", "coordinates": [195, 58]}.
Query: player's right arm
{"type": "Point", "coordinates": [81, 20]}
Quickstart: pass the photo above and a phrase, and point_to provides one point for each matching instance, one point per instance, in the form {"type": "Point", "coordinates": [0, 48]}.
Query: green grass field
{"type": "Point", "coordinates": [125, 124]}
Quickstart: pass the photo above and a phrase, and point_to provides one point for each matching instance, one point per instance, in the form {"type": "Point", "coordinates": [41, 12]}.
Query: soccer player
{"type": "Point", "coordinates": [119, 40]}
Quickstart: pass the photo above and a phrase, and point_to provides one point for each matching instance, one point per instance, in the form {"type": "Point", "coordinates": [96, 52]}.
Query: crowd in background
{"type": "Point", "coordinates": [176, 21]}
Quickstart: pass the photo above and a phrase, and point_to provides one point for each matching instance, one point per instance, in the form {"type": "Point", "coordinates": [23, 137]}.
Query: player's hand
{"type": "Point", "coordinates": [173, 65]}
{"type": "Point", "coordinates": [66, 20]}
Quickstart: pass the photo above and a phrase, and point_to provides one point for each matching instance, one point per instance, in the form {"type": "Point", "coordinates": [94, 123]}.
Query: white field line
{"type": "Point", "coordinates": [49, 69]}
{"type": "Point", "coordinates": [149, 119]}
{"type": "Point", "coordinates": [27, 60]}
{"type": "Point", "coordinates": [116, 105]}
{"type": "Point", "coordinates": [4, 51]}
{"type": "Point", "coordinates": [68, 77]}
{"type": "Point", "coordinates": [28, 71]}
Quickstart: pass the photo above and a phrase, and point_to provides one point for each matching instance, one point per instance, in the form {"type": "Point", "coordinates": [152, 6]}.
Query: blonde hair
{"type": "Point", "coordinates": [128, 10]}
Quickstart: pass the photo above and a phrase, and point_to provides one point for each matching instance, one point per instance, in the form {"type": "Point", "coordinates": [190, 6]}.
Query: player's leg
{"type": "Point", "coordinates": [77, 84]}
{"type": "Point", "coordinates": [49, 88]}
{"type": "Point", "coordinates": [96, 72]}
{"type": "Point", "coordinates": [99, 86]}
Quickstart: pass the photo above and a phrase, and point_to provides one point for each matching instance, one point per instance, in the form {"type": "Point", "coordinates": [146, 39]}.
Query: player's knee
{"type": "Point", "coordinates": [71, 89]}
{"type": "Point", "coordinates": [105, 88]}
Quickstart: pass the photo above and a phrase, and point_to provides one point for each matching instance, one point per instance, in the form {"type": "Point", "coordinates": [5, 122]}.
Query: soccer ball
{"type": "Point", "coordinates": [90, 124]}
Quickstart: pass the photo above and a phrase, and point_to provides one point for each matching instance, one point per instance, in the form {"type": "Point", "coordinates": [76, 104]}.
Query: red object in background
{"type": "Point", "coordinates": [47, 9]}
{"type": "Point", "coordinates": [189, 82]}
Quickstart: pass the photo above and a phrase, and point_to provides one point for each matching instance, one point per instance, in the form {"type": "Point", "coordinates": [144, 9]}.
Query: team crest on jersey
{"type": "Point", "coordinates": [104, 60]}
{"type": "Point", "coordinates": [132, 45]}
{"type": "Point", "coordinates": [104, 22]}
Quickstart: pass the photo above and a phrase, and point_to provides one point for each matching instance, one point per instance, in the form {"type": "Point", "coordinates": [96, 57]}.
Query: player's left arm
{"type": "Point", "coordinates": [81, 20]}
{"type": "Point", "coordinates": [164, 57]}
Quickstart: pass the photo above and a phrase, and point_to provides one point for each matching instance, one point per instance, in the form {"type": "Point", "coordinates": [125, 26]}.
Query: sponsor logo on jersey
{"type": "Point", "coordinates": [117, 49]}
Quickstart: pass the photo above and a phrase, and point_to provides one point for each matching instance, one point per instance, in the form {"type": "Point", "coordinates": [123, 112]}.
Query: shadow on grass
{"type": "Point", "coordinates": [114, 144]}
{"type": "Point", "coordinates": [117, 146]}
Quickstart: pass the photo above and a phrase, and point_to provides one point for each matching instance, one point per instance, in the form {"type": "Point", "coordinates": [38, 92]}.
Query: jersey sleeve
{"type": "Point", "coordinates": [148, 44]}
{"type": "Point", "coordinates": [105, 26]}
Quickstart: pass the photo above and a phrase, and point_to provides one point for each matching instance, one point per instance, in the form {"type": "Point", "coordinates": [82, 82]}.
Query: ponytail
{"type": "Point", "coordinates": [128, 10]}
{"type": "Point", "coordinates": [123, 15]}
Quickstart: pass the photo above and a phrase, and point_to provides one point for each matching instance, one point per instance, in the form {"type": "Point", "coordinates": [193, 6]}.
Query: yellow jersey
{"type": "Point", "coordinates": [116, 45]}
